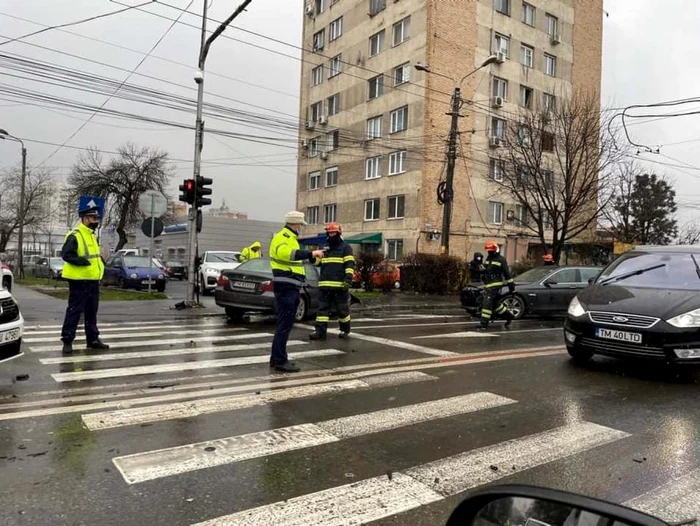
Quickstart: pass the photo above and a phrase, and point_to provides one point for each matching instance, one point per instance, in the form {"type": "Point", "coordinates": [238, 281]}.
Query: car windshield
{"type": "Point", "coordinates": [56, 262]}
{"type": "Point", "coordinates": [174, 264]}
{"type": "Point", "coordinates": [536, 274]}
{"type": "Point", "coordinates": [221, 257]}
{"type": "Point", "coordinates": [255, 265]}
{"type": "Point", "coordinates": [665, 271]}
{"type": "Point", "coordinates": [136, 262]}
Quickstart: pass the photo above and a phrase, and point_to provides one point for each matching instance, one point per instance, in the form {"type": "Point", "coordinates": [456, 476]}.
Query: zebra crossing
{"type": "Point", "coordinates": [152, 353]}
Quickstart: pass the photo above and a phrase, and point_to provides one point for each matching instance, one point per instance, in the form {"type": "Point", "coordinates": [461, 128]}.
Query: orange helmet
{"type": "Point", "coordinates": [333, 227]}
{"type": "Point", "coordinates": [491, 246]}
{"type": "Point", "coordinates": [548, 258]}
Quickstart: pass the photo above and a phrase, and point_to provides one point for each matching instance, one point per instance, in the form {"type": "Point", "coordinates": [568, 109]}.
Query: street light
{"type": "Point", "coordinates": [20, 234]}
{"type": "Point", "coordinates": [452, 147]}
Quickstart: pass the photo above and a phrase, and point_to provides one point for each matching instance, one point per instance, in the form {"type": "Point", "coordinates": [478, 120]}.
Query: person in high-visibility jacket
{"type": "Point", "coordinates": [496, 275]}
{"type": "Point", "coordinates": [254, 251]}
{"type": "Point", "coordinates": [337, 268]}
{"type": "Point", "coordinates": [288, 275]}
{"type": "Point", "coordinates": [83, 269]}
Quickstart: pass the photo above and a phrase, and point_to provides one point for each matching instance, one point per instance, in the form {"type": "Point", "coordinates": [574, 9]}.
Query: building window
{"type": "Point", "coordinates": [376, 86]}
{"type": "Point", "coordinates": [332, 141]}
{"type": "Point", "coordinates": [319, 40]}
{"type": "Point", "coordinates": [332, 177]}
{"type": "Point", "coordinates": [502, 45]}
{"type": "Point", "coordinates": [320, 6]}
{"type": "Point", "coordinates": [552, 25]}
{"type": "Point", "coordinates": [497, 168]}
{"type": "Point", "coordinates": [526, 55]}
{"type": "Point", "coordinates": [335, 30]}
{"type": "Point", "coordinates": [372, 209]}
{"type": "Point", "coordinates": [374, 127]}
{"type": "Point", "coordinates": [528, 14]}
{"type": "Point", "coordinates": [314, 180]}
{"type": "Point", "coordinates": [397, 162]}
{"type": "Point", "coordinates": [526, 95]}
{"type": "Point", "coordinates": [402, 74]}
{"type": "Point", "coordinates": [313, 147]}
{"type": "Point", "coordinates": [312, 215]}
{"type": "Point", "coordinates": [376, 6]}
{"type": "Point", "coordinates": [495, 213]}
{"type": "Point", "coordinates": [520, 215]}
{"type": "Point", "coordinates": [333, 103]}
{"type": "Point", "coordinates": [317, 75]}
{"type": "Point", "coordinates": [399, 119]}
{"type": "Point", "coordinates": [548, 179]}
{"type": "Point", "coordinates": [376, 43]}
{"type": "Point", "coordinates": [549, 102]}
{"type": "Point", "coordinates": [330, 213]}
{"type": "Point", "coordinates": [547, 142]}
{"type": "Point", "coordinates": [394, 249]}
{"type": "Point", "coordinates": [503, 6]}
{"type": "Point", "coordinates": [372, 167]}
{"type": "Point", "coordinates": [524, 135]}
{"type": "Point", "coordinates": [316, 111]}
{"type": "Point", "coordinates": [500, 88]}
{"type": "Point", "coordinates": [498, 128]}
{"type": "Point", "coordinates": [334, 66]}
{"type": "Point", "coordinates": [550, 65]}
{"type": "Point", "coordinates": [396, 207]}
{"type": "Point", "coordinates": [402, 31]}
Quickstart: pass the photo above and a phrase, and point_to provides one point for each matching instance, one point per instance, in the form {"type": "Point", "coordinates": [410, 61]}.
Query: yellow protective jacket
{"type": "Point", "coordinates": [287, 258]}
{"type": "Point", "coordinates": [81, 254]}
{"type": "Point", "coordinates": [248, 253]}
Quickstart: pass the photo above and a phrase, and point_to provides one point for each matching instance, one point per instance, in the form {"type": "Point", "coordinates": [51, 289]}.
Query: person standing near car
{"type": "Point", "coordinates": [287, 262]}
{"type": "Point", "coordinates": [83, 269]}
{"type": "Point", "coordinates": [337, 269]}
{"type": "Point", "coordinates": [254, 251]}
{"type": "Point", "coordinates": [496, 275]}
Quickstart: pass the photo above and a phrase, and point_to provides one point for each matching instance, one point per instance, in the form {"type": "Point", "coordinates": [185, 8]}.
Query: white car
{"type": "Point", "coordinates": [213, 262]}
{"type": "Point", "coordinates": [11, 327]}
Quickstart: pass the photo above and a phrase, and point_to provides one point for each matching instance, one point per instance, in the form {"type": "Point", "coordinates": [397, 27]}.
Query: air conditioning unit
{"type": "Point", "coordinates": [556, 39]}
{"type": "Point", "coordinates": [324, 155]}
{"type": "Point", "coordinates": [309, 10]}
{"type": "Point", "coordinates": [496, 102]}
{"type": "Point", "coordinates": [501, 57]}
{"type": "Point", "coordinates": [310, 125]}
{"type": "Point", "coordinates": [495, 142]}
{"type": "Point", "coordinates": [304, 143]}
{"type": "Point", "coordinates": [323, 119]}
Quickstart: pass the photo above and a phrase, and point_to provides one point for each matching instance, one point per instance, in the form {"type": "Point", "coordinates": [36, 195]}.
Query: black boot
{"type": "Point", "coordinates": [509, 321]}
{"type": "Point", "coordinates": [287, 368]}
{"type": "Point", "coordinates": [483, 327]}
{"type": "Point", "coordinates": [344, 335]}
{"type": "Point", "coordinates": [98, 345]}
{"type": "Point", "coordinates": [316, 336]}
{"type": "Point", "coordinates": [67, 348]}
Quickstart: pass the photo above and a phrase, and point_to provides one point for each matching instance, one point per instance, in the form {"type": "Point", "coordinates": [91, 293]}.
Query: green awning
{"type": "Point", "coordinates": [367, 238]}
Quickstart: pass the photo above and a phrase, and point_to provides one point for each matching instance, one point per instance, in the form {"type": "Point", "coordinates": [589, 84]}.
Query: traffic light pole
{"type": "Point", "coordinates": [449, 179]}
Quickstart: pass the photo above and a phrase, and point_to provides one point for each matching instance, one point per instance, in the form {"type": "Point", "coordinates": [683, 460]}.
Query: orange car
{"type": "Point", "coordinates": [385, 271]}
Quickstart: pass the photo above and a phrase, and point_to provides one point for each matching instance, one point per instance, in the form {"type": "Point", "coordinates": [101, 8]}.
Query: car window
{"type": "Point", "coordinates": [536, 274]}
{"type": "Point", "coordinates": [311, 272]}
{"type": "Point", "coordinates": [137, 262]}
{"type": "Point", "coordinates": [679, 271]}
{"type": "Point", "coordinates": [221, 257]}
{"type": "Point", "coordinates": [117, 262]}
{"type": "Point", "coordinates": [568, 275]}
{"type": "Point", "coordinates": [588, 273]}
{"type": "Point", "coordinates": [255, 265]}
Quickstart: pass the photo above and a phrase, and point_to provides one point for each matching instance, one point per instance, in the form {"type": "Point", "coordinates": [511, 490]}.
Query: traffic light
{"type": "Point", "coordinates": [187, 189]}
{"type": "Point", "coordinates": [202, 190]}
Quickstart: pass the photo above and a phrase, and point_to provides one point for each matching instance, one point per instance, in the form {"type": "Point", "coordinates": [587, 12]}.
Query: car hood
{"type": "Point", "coordinates": [143, 272]}
{"type": "Point", "coordinates": [659, 303]}
{"type": "Point", "coordinates": [220, 266]}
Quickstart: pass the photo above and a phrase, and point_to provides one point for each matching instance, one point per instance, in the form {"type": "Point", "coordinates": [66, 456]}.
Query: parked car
{"type": "Point", "coordinates": [542, 290]}
{"type": "Point", "coordinates": [213, 262]}
{"type": "Point", "coordinates": [645, 304]}
{"type": "Point", "coordinates": [176, 270]}
{"type": "Point", "coordinates": [132, 272]}
{"type": "Point", "coordinates": [385, 271]}
{"type": "Point", "coordinates": [11, 327]}
{"type": "Point", "coordinates": [48, 268]}
{"type": "Point", "coordinates": [8, 279]}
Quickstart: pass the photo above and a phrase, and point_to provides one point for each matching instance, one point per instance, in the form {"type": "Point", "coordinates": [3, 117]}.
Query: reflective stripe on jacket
{"type": "Point", "coordinates": [286, 258]}
{"type": "Point", "coordinates": [496, 272]}
{"type": "Point", "coordinates": [89, 249]}
{"type": "Point", "coordinates": [337, 266]}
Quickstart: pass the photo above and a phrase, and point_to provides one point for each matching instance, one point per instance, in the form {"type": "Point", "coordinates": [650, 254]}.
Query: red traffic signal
{"type": "Point", "coordinates": [187, 191]}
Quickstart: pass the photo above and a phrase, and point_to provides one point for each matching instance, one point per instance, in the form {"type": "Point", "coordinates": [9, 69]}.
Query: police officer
{"type": "Point", "coordinates": [254, 251]}
{"type": "Point", "coordinates": [337, 267]}
{"type": "Point", "coordinates": [496, 275]}
{"type": "Point", "coordinates": [287, 262]}
{"type": "Point", "coordinates": [83, 270]}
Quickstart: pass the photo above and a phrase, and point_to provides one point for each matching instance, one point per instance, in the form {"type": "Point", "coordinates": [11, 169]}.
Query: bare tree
{"type": "Point", "coordinates": [555, 164]}
{"type": "Point", "coordinates": [689, 234]}
{"type": "Point", "coordinates": [120, 181]}
{"type": "Point", "coordinates": [616, 215]}
{"type": "Point", "coordinates": [38, 189]}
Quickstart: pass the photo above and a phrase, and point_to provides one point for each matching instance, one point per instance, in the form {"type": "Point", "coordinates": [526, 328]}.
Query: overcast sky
{"type": "Point", "coordinates": [649, 56]}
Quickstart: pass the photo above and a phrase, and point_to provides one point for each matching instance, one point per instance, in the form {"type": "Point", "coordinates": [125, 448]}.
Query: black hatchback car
{"type": "Point", "coordinates": [645, 304]}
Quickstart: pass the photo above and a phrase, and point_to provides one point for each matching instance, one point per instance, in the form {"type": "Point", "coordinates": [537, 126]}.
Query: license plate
{"type": "Point", "coordinates": [622, 336]}
{"type": "Point", "coordinates": [244, 285]}
{"type": "Point", "coordinates": [145, 282]}
{"type": "Point", "coordinates": [10, 335]}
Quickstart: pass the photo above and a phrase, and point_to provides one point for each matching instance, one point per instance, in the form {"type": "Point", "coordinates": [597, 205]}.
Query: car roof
{"type": "Point", "coordinates": [669, 249]}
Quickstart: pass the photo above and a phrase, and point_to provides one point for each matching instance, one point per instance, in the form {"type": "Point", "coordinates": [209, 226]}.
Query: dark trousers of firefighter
{"type": "Point", "coordinates": [286, 304]}
{"type": "Point", "coordinates": [83, 300]}
{"type": "Point", "coordinates": [329, 300]}
{"type": "Point", "coordinates": [491, 298]}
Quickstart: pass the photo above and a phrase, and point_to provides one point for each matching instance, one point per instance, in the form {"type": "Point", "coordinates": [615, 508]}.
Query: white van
{"type": "Point", "coordinates": [11, 327]}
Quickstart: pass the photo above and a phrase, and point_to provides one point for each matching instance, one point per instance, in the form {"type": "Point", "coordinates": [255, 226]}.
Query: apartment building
{"type": "Point", "coordinates": [374, 128]}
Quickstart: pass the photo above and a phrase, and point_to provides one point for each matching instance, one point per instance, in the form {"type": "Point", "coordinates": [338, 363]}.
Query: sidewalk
{"type": "Point", "coordinates": [407, 301]}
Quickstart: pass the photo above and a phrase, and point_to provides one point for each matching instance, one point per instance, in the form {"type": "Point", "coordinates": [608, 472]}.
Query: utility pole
{"type": "Point", "coordinates": [20, 233]}
{"type": "Point", "coordinates": [448, 194]}
{"type": "Point", "coordinates": [205, 44]}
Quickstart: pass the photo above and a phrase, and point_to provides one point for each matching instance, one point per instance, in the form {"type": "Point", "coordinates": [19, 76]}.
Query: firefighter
{"type": "Point", "coordinates": [496, 275]}
{"type": "Point", "coordinates": [254, 251]}
{"type": "Point", "coordinates": [337, 267]}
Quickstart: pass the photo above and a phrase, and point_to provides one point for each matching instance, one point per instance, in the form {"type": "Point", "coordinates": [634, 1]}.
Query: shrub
{"type": "Point", "coordinates": [433, 274]}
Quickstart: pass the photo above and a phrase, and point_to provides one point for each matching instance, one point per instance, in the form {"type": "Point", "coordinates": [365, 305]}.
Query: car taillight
{"type": "Point", "coordinates": [266, 286]}
{"type": "Point", "coordinates": [222, 281]}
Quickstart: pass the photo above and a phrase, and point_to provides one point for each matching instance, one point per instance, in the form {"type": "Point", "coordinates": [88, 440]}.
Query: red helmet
{"type": "Point", "coordinates": [548, 258]}
{"type": "Point", "coordinates": [333, 227]}
{"type": "Point", "coordinates": [491, 246]}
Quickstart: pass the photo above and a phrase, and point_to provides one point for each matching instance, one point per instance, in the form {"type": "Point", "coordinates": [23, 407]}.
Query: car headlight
{"type": "Point", "coordinates": [576, 309]}
{"type": "Point", "coordinates": [134, 276]}
{"type": "Point", "coordinates": [160, 276]}
{"type": "Point", "coordinates": [211, 271]}
{"type": "Point", "coordinates": [687, 320]}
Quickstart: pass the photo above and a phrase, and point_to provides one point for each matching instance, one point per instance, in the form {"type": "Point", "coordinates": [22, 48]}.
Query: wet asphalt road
{"type": "Point", "coordinates": [390, 427]}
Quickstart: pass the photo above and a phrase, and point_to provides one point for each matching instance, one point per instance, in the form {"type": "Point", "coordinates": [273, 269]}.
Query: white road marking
{"type": "Point", "coordinates": [141, 334]}
{"type": "Point", "coordinates": [168, 352]}
{"type": "Point", "coordinates": [141, 343]}
{"type": "Point", "coordinates": [145, 327]}
{"type": "Point", "coordinates": [182, 459]}
{"type": "Point", "coordinates": [380, 497]}
{"type": "Point", "coordinates": [465, 334]}
{"type": "Point", "coordinates": [403, 325]}
{"type": "Point", "coordinates": [159, 413]}
{"type": "Point", "coordinates": [404, 317]}
{"type": "Point", "coordinates": [675, 501]}
{"type": "Point", "coordinates": [121, 324]}
{"type": "Point", "coordinates": [138, 370]}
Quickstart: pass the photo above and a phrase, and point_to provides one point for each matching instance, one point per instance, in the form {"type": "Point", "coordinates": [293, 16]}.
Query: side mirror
{"type": "Point", "coordinates": [591, 281]}
{"type": "Point", "coordinates": [549, 283]}
{"type": "Point", "coordinates": [531, 506]}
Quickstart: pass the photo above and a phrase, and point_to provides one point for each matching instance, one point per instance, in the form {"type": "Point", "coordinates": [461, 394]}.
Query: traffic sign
{"type": "Point", "coordinates": [156, 229]}
{"type": "Point", "coordinates": [88, 201]}
{"type": "Point", "coordinates": [152, 203]}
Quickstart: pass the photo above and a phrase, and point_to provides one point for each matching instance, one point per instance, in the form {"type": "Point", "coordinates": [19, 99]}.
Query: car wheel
{"type": "Point", "coordinates": [580, 355]}
{"type": "Point", "coordinates": [121, 283]}
{"type": "Point", "coordinates": [234, 314]}
{"type": "Point", "coordinates": [515, 305]}
{"type": "Point", "coordinates": [302, 309]}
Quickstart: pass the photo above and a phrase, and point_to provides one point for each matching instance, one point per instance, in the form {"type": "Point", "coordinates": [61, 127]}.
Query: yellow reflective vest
{"type": "Point", "coordinates": [287, 258]}
{"type": "Point", "coordinates": [248, 253]}
{"type": "Point", "coordinates": [89, 249]}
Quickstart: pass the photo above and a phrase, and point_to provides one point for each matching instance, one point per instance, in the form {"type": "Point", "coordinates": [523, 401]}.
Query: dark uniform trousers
{"type": "Point", "coordinates": [333, 299]}
{"type": "Point", "coordinates": [286, 304]}
{"type": "Point", "coordinates": [490, 298]}
{"type": "Point", "coordinates": [83, 299]}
